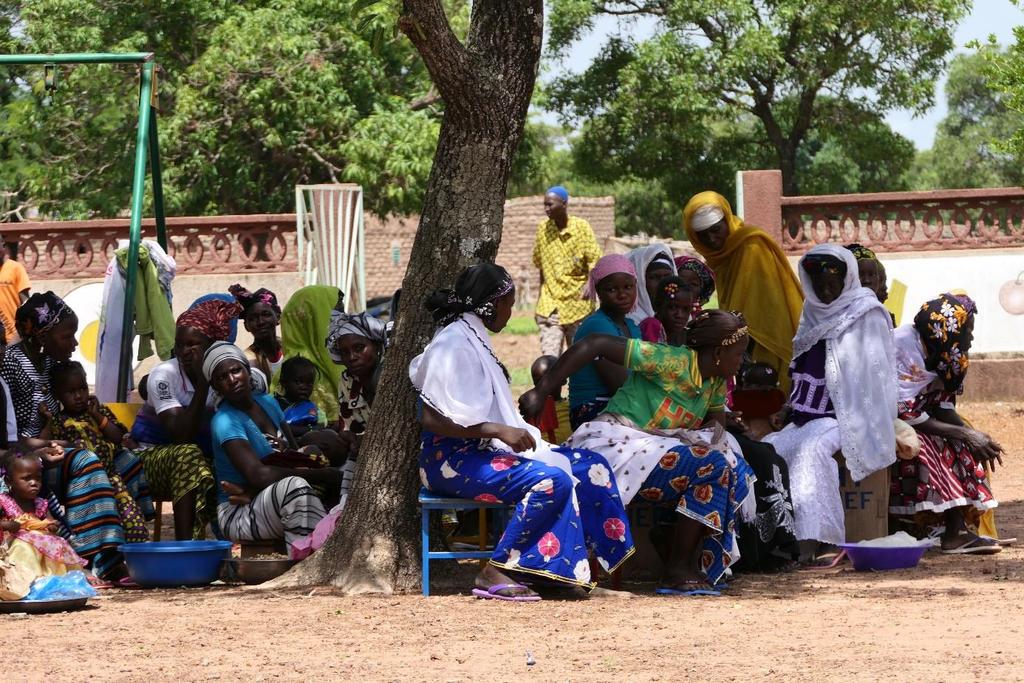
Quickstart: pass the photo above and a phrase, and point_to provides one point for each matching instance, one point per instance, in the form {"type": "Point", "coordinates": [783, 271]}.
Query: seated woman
{"type": "Point", "coordinates": [613, 282]}
{"type": "Point", "coordinates": [843, 396]}
{"type": "Point", "coordinates": [172, 428]}
{"type": "Point", "coordinates": [752, 274]}
{"type": "Point", "coordinates": [653, 264]}
{"type": "Point", "coordinates": [305, 321]}
{"type": "Point", "coordinates": [673, 305]}
{"type": "Point", "coordinates": [261, 315]}
{"type": "Point", "coordinates": [276, 502]}
{"type": "Point", "coordinates": [476, 445]}
{"type": "Point", "coordinates": [80, 494]}
{"type": "Point", "coordinates": [646, 435]}
{"type": "Point", "coordinates": [945, 483]}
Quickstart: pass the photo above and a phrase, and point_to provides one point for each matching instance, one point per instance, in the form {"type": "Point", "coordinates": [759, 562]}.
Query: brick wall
{"type": "Point", "coordinates": [388, 243]}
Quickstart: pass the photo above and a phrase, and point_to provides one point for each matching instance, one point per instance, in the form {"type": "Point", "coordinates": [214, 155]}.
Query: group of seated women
{"type": "Point", "coordinates": [652, 374]}
{"type": "Point", "coordinates": [252, 445]}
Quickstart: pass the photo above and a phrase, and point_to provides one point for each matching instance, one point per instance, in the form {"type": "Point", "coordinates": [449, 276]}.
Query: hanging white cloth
{"type": "Point", "coordinates": [458, 375]}
{"type": "Point", "coordinates": [641, 258]}
{"type": "Point", "coordinates": [108, 355]}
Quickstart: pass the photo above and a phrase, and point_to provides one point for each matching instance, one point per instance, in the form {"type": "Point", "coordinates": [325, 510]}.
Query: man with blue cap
{"type": "Point", "coordinates": [565, 251]}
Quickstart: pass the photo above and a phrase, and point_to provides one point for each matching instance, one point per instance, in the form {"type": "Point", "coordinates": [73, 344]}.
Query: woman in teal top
{"type": "Point", "coordinates": [613, 282]}
{"type": "Point", "coordinates": [663, 435]}
{"type": "Point", "coordinates": [257, 501]}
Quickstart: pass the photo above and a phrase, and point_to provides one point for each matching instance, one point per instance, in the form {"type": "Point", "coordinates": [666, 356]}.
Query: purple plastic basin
{"type": "Point", "coordinates": [865, 558]}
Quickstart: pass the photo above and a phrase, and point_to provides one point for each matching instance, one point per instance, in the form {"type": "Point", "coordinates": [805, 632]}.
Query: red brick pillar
{"type": "Point", "coordinates": [759, 200]}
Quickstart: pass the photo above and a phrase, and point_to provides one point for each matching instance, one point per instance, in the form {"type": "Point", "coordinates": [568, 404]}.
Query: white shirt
{"type": "Point", "coordinates": [169, 387]}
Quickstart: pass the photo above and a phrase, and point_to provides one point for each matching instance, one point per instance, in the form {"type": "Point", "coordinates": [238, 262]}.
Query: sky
{"type": "Point", "coordinates": [995, 17]}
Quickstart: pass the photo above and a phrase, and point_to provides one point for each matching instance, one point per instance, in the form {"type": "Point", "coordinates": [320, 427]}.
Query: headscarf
{"type": "Point", "coordinates": [363, 325]}
{"type": "Point", "coordinates": [219, 352]}
{"type": "Point", "coordinates": [964, 298]}
{"type": "Point", "coordinates": [859, 359]}
{"type": "Point", "coordinates": [222, 351]}
{"type": "Point", "coordinates": [610, 264]}
{"type": "Point", "coordinates": [215, 315]}
{"type": "Point", "coordinates": [861, 253]}
{"type": "Point", "coordinates": [641, 258]}
{"type": "Point", "coordinates": [706, 275]}
{"type": "Point", "coordinates": [559, 192]}
{"type": "Point", "coordinates": [942, 326]}
{"type": "Point", "coordinates": [476, 290]}
{"type": "Point", "coordinates": [249, 299]}
{"type": "Point", "coordinates": [305, 321]}
{"type": "Point", "coordinates": [753, 276]}
{"type": "Point", "coordinates": [40, 313]}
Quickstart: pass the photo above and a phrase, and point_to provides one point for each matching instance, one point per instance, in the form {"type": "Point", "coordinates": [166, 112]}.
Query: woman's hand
{"type": "Point", "coordinates": [518, 440]}
{"type": "Point", "coordinates": [94, 409]}
{"type": "Point", "coordinates": [51, 455]}
{"type": "Point", "coordinates": [52, 527]}
{"type": "Point", "coordinates": [779, 419]}
{"type": "Point", "coordinates": [129, 442]}
{"type": "Point", "coordinates": [10, 526]}
{"type": "Point", "coordinates": [236, 494]}
{"type": "Point", "coordinates": [734, 422]}
{"type": "Point", "coordinates": [531, 404]}
{"type": "Point", "coordinates": [983, 447]}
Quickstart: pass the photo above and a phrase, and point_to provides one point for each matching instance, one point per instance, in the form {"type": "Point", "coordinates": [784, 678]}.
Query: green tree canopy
{"type": "Point", "coordinates": [975, 144]}
{"type": "Point", "coordinates": [724, 84]}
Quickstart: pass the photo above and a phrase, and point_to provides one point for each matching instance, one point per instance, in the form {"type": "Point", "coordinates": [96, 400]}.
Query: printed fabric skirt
{"type": "Point", "coordinates": [83, 500]}
{"type": "Point", "coordinates": [704, 483]}
{"type": "Point", "coordinates": [943, 476]}
{"type": "Point", "coordinates": [550, 531]}
{"type": "Point", "coordinates": [175, 470]}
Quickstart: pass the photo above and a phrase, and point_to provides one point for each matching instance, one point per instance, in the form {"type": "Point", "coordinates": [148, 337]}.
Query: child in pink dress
{"type": "Point", "coordinates": [28, 529]}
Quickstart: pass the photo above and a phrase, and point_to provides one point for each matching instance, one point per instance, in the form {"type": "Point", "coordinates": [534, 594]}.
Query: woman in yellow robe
{"type": "Point", "coordinates": [753, 276]}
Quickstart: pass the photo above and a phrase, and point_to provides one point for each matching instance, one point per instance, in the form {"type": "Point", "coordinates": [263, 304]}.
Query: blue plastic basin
{"type": "Point", "coordinates": [865, 558]}
{"type": "Point", "coordinates": [175, 563]}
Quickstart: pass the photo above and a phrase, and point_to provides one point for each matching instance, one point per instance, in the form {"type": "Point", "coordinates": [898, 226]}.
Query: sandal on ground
{"type": "Point", "coordinates": [824, 563]}
{"type": "Point", "coordinates": [98, 583]}
{"type": "Point", "coordinates": [494, 593]}
{"type": "Point", "coordinates": [976, 545]}
{"type": "Point", "coordinates": [692, 588]}
{"type": "Point", "coordinates": [1005, 542]}
{"type": "Point", "coordinates": [126, 582]}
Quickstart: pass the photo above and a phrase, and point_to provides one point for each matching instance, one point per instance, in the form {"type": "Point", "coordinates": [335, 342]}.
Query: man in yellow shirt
{"type": "Point", "coordinates": [565, 250]}
{"type": "Point", "coordinates": [14, 288]}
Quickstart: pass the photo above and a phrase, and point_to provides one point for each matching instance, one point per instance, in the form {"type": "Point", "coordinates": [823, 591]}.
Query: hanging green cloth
{"type": "Point", "coordinates": [154, 320]}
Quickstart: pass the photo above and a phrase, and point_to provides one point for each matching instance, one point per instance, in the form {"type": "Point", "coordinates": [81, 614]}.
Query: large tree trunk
{"type": "Point", "coordinates": [487, 85]}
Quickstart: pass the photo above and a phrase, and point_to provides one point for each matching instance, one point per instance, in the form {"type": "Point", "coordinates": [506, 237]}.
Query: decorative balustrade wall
{"type": "Point", "coordinates": [200, 245]}
{"type": "Point", "coordinates": [906, 221]}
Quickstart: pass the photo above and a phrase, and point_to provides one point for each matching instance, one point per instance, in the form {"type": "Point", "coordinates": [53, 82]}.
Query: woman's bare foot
{"type": "Point", "coordinates": [489, 576]}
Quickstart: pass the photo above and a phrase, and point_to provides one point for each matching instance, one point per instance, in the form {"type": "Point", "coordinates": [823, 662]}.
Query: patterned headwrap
{"type": "Point", "coordinates": [363, 325]}
{"type": "Point", "coordinates": [942, 325]}
{"type": "Point", "coordinates": [819, 264]}
{"type": "Point", "coordinates": [476, 290]}
{"type": "Point", "coordinates": [40, 313]}
{"type": "Point", "coordinates": [969, 303]}
{"type": "Point", "coordinates": [609, 264]}
{"type": "Point", "coordinates": [706, 275]}
{"type": "Point", "coordinates": [212, 317]}
{"type": "Point", "coordinates": [249, 299]}
{"type": "Point", "coordinates": [861, 253]}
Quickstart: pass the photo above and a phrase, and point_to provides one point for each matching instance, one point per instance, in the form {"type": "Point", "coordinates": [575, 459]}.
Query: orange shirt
{"type": "Point", "coordinates": [13, 281]}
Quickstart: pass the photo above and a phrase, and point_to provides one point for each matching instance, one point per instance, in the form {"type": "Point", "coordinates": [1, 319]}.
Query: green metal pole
{"type": "Point", "coordinates": [135, 231]}
{"type": "Point", "coordinates": [80, 58]}
{"type": "Point", "coordinates": [158, 183]}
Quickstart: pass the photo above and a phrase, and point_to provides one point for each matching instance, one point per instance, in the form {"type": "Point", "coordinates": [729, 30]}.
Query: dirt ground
{"type": "Point", "coordinates": [950, 619]}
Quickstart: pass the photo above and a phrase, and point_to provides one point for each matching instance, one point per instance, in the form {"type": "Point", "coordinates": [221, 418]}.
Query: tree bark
{"type": "Point", "coordinates": [486, 84]}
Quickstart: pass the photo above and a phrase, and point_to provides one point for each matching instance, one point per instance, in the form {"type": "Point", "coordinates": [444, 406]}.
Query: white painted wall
{"type": "Point", "coordinates": [981, 273]}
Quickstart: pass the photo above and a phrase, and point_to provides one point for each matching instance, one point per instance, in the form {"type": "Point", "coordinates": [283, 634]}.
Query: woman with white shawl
{"type": "Point", "coordinates": [843, 396]}
{"type": "Point", "coordinates": [476, 445]}
{"type": "Point", "coordinates": [652, 264]}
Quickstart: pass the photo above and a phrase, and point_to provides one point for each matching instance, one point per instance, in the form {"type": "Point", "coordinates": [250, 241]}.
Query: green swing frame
{"type": "Point", "coordinates": [147, 145]}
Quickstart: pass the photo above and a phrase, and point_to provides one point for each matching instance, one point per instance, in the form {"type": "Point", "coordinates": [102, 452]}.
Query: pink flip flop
{"type": "Point", "coordinates": [492, 593]}
{"type": "Point", "coordinates": [839, 557]}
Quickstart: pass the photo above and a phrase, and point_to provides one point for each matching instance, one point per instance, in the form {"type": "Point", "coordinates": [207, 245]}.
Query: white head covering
{"type": "Point", "coordinates": [641, 257]}
{"type": "Point", "coordinates": [705, 217]}
{"type": "Point", "coordinates": [459, 376]}
{"type": "Point", "coordinates": [860, 362]}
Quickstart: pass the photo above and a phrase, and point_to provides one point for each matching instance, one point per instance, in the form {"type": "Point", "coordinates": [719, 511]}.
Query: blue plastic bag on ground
{"type": "Point", "coordinates": [68, 587]}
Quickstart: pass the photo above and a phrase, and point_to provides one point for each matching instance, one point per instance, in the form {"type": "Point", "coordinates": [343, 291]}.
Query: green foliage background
{"type": "Point", "coordinates": [256, 97]}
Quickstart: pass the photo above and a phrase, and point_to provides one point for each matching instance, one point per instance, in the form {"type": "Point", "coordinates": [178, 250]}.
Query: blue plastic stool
{"type": "Point", "coordinates": [431, 501]}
